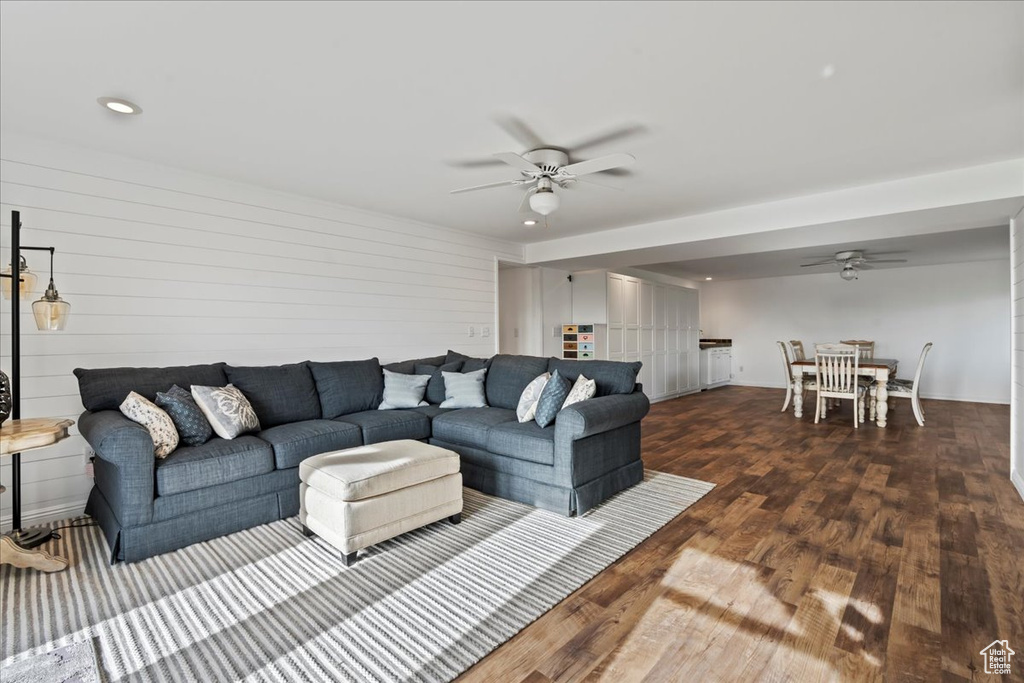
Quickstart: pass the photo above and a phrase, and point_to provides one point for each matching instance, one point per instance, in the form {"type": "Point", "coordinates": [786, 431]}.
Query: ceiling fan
{"type": "Point", "coordinates": [546, 166]}
{"type": "Point", "coordinates": [852, 262]}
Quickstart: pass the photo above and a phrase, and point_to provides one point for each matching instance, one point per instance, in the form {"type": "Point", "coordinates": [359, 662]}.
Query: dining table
{"type": "Point", "coordinates": [878, 369]}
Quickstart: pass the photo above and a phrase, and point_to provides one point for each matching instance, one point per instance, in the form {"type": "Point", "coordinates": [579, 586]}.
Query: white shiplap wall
{"type": "Point", "coordinates": [165, 267]}
{"type": "Point", "coordinates": [1017, 398]}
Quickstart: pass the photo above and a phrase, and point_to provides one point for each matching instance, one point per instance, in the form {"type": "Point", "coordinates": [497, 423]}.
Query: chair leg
{"type": "Point", "coordinates": [789, 395]}
{"type": "Point", "coordinates": [860, 409]}
{"type": "Point", "coordinates": [916, 405]}
{"type": "Point", "coordinates": [818, 408]}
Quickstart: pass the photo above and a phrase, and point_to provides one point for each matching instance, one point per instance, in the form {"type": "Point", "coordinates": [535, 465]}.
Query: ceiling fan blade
{"type": "Point", "coordinates": [607, 186]}
{"type": "Point", "coordinates": [608, 136]}
{"type": "Point", "coordinates": [516, 161]}
{"type": "Point", "coordinates": [484, 187]}
{"type": "Point", "coordinates": [520, 132]}
{"type": "Point", "coordinates": [599, 164]}
{"type": "Point", "coordinates": [863, 265]}
{"type": "Point", "coordinates": [885, 260]}
{"type": "Point", "coordinates": [830, 262]}
{"type": "Point", "coordinates": [473, 163]}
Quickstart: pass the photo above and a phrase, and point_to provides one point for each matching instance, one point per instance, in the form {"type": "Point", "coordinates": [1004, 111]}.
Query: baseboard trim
{"type": "Point", "coordinates": [934, 397]}
{"type": "Point", "coordinates": [1018, 481]}
{"type": "Point", "coordinates": [45, 515]}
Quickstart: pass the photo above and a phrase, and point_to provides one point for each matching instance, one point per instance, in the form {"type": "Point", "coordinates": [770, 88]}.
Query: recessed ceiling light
{"type": "Point", "coordinates": [828, 71]}
{"type": "Point", "coordinates": [120, 106]}
{"type": "Point", "coordinates": [530, 222]}
{"type": "Point", "coordinates": [708, 278]}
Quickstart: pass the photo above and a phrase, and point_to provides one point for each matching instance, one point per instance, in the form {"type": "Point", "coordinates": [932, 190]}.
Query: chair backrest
{"type": "Point", "coordinates": [798, 349]}
{"type": "Point", "coordinates": [865, 347]}
{"type": "Point", "coordinates": [785, 361]}
{"type": "Point", "coordinates": [836, 367]}
{"type": "Point", "coordinates": [920, 364]}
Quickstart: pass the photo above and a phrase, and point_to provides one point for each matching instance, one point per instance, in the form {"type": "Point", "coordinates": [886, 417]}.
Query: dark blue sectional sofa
{"type": "Point", "coordinates": [147, 506]}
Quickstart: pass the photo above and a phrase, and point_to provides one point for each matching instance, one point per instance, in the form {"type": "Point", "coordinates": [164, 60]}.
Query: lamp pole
{"type": "Point", "coordinates": [34, 537]}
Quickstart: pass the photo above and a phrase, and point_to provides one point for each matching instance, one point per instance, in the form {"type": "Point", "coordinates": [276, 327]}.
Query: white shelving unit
{"type": "Point", "coordinates": [646, 321]}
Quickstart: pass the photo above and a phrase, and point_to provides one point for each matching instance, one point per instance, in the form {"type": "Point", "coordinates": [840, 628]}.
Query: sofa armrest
{"type": "Point", "coordinates": [601, 414]}
{"type": "Point", "coordinates": [125, 472]}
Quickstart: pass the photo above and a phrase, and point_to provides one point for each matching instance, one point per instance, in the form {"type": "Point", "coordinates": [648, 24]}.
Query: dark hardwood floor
{"type": "Point", "coordinates": [824, 554]}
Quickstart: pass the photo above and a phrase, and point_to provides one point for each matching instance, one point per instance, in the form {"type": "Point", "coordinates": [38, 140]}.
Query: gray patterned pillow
{"type": "Point", "coordinates": [228, 410]}
{"type": "Point", "coordinates": [403, 391]}
{"type": "Point", "coordinates": [193, 427]}
{"type": "Point", "coordinates": [551, 399]}
{"type": "Point", "coordinates": [138, 408]}
{"type": "Point", "coordinates": [464, 389]}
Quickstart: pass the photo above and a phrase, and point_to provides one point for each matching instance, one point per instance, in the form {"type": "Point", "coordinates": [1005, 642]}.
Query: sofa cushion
{"type": "Point", "coordinates": [435, 387]}
{"type": "Point", "coordinates": [106, 388]}
{"type": "Point", "coordinates": [348, 386]}
{"type": "Point", "coordinates": [293, 443]}
{"type": "Point", "coordinates": [408, 367]}
{"type": "Point", "coordinates": [611, 377]}
{"type": "Point", "coordinates": [469, 364]}
{"type": "Point", "coordinates": [469, 426]}
{"type": "Point", "coordinates": [278, 393]}
{"type": "Point", "coordinates": [523, 441]}
{"type": "Point", "coordinates": [432, 411]}
{"type": "Point", "coordinates": [389, 425]}
{"type": "Point", "coordinates": [218, 461]}
{"type": "Point", "coordinates": [509, 375]}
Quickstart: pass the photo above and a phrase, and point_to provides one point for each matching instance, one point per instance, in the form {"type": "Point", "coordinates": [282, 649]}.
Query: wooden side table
{"type": "Point", "coordinates": [18, 436]}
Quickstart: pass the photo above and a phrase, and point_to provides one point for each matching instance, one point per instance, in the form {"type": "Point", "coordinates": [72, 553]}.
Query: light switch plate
{"type": "Point", "coordinates": [472, 331]}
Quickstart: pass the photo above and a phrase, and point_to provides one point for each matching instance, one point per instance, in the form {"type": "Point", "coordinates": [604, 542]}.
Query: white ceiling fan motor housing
{"type": "Point", "coordinates": [549, 160]}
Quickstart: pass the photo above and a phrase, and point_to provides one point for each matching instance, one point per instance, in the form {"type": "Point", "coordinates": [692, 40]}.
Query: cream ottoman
{"type": "Point", "coordinates": [361, 496]}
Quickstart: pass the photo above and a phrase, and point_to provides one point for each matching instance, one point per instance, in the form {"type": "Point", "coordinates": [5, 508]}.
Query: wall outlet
{"type": "Point", "coordinates": [515, 332]}
{"type": "Point", "coordinates": [472, 331]}
{"type": "Point", "coordinates": [486, 332]}
{"type": "Point", "coordinates": [741, 368]}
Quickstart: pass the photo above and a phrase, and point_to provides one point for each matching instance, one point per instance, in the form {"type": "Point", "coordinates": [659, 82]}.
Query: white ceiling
{"type": "Point", "coordinates": [984, 244]}
{"type": "Point", "coordinates": [364, 103]}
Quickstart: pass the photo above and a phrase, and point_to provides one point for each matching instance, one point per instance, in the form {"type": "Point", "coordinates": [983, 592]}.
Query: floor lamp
{"type": "Point", "coordinates": [51, 313]}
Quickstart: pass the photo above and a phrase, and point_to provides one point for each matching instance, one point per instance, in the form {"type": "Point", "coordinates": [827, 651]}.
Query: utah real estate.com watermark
{"type": "Point", "coordinates": [997, 657]}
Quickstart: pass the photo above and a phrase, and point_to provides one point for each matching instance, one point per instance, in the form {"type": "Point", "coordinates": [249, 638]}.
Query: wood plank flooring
{"type": "Point", "coordinates": [824, 554]}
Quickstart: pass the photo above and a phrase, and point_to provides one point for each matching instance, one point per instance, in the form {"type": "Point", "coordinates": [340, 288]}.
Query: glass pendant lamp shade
{"type": "Point", "coordinates": [28, 280]}
{"type": "Point", "coordinates": [51, 312]}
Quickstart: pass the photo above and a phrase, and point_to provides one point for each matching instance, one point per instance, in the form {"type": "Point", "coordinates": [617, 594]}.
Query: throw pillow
{"type": "Point", "coordinates": [228, 410]}
{"type": "Point", "coordinates": [527, 408]}
{"type": "Point", "coordinates": [403, 391]}
{"type": "Point", "coordinates": [551, 399]}
{"type": "Point", "coordinates": [193, 428]}
{"type": "Point", "coordinates": [435, 387]}
{"type": "Point", "coordinates": [582, 390]}
{"type": "Point", "coordinates": [138, 408]}
{"type": "Point", "coordinates": [464, 390]}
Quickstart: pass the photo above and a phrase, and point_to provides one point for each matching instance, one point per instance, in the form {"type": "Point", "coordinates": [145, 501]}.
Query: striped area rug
{"type": "Point", "coordinates": [267, 604]}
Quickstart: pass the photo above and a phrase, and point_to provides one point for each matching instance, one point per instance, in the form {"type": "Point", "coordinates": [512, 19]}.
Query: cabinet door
{"type": "Point", "coordinates": [659, 376]}
{"type": "Point", "coordinates": [631, 301]}
{"type": "Point", "coordinates": [671, 373]}
{"type": "Point", "coordinates": [646, 304]}
{"type": "Point", "coordinates": [615, 299]}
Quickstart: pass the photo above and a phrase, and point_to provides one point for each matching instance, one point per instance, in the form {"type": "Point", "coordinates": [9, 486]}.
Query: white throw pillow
{"type": "Point", "coordinates": [582, 390]}
{"type": "Point", "coordinates": [527, 408]}
{"type": "Point", "coordinates": [140, 409]}
{"type": "Point", "coordinates": [227, 409]}
{"type": "Point", "coordinates": [403, 391]}
{"type": "Point", "coordinates": [464, 389]}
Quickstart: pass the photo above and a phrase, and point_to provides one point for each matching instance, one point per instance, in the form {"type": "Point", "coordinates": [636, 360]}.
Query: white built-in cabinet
{"type": "Point", "coordinates": [647, 321]}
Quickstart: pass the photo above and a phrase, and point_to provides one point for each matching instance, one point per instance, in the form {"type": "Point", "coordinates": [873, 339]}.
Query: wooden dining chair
{"type": "Point", "coordinates": [836, 369]}
{"type": "Point", "coordinates": [798, 349]}
{"type": "Point", "coordinates": [910, 388]}
{"type": "Point", "coordinates": [864, 347]}
{"type": "Point", "coordinates": [787, 369]}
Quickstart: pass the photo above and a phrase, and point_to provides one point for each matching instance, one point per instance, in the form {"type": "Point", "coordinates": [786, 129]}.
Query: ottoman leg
{"type": "Point", "coordinates": [456, 518]}
{"type": "Point", "coordinates": [349, 558]}
{"type": "Point", "coordinates": [306, 532]}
